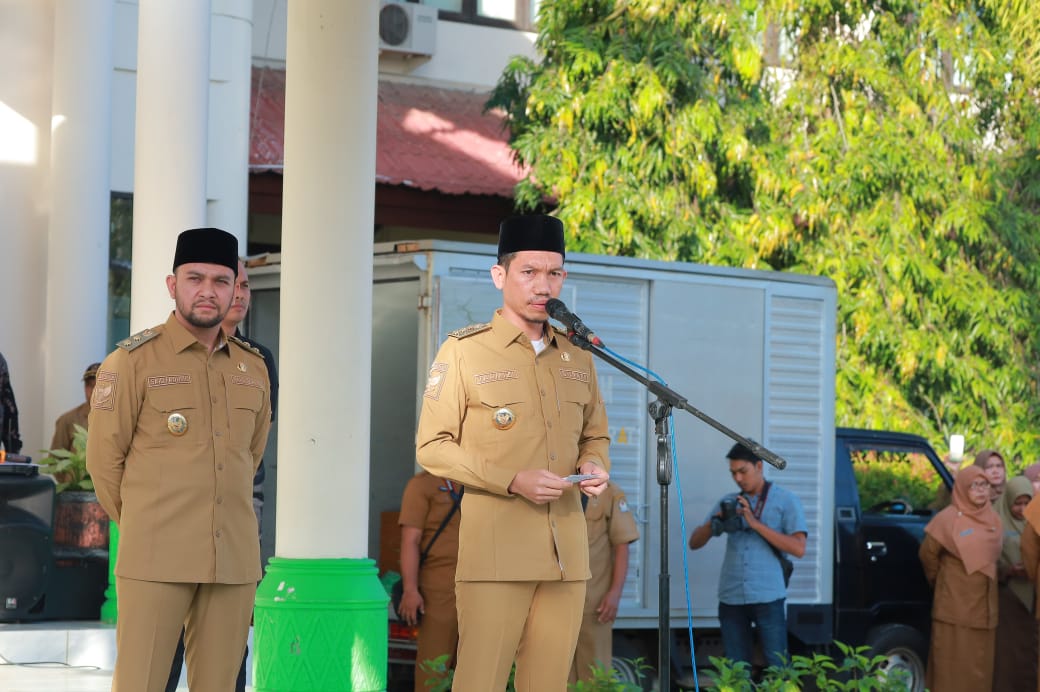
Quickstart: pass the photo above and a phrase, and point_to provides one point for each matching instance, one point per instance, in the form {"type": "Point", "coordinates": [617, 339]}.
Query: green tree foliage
{"type": "Point", "coordinates": [891, 146]}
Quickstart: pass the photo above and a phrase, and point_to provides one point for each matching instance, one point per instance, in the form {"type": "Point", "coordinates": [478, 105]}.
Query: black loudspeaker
{"type": "Point", "coordinates": [26, 560]}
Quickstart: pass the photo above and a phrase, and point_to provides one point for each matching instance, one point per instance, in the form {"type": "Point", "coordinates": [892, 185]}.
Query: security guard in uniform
{"type": "Point", "coordinates": [510, 409]}
{"type": "Point", "coordinates": [429, 588]}
{"type": "Point", "coordinates": [65, 426]}
{"type": "Point", "coordinates": [611, 530]}
{"type": "Point", "coordinates": [178, 425]}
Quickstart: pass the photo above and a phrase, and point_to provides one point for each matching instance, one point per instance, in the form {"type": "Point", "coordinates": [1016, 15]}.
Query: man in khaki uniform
{"type": "Point", "coordinates": [178, 424]}
{"type": "Point", "coordinates": [65, 426]}
{"type": "Point", "coordinates": [611, 529]}
{"type": "Point", "coordinates": [429, 588]}
{"type": "Point", "coordinates": [510, 409]}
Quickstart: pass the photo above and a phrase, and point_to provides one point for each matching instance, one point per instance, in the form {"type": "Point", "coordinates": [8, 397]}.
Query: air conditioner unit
{"type": "Point", "coordinates": [407, 28]}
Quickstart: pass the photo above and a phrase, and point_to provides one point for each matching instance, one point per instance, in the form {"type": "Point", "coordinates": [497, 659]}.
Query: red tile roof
{"type": "Point", "coordinates": [426, 137]}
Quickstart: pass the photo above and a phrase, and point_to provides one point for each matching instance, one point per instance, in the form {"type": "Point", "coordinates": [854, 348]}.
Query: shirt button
{"type": "Point", "coordinates": [220, 500]}
{"type": "Point", "coordinates": [214, 400]}
{"type": "Point", "coordinates": [542, 391]}
{"type": "Point", "coordinates": [220, 467]}
{"type": "Point", "coordinates": [217, 534]}
{"type": "Point", "coordinates": [218, 433]}
{"type": "Point", "coordinates": [548, 423]}
{"type": "Point", "coordinates": [553, 457]}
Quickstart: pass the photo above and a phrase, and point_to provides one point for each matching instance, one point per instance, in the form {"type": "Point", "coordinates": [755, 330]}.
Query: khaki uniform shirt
{"type": "Point", "coordinates": [969, 600]}
{"type": "Point", "coordinates": [610, 523]}
{"type": "Point", "coordinates": [424, 505]}
{"type": "Point", "coordinates": [491, 408]}
{"type": "Point", "coordinates": [176, 434]}
{"type": "Point", "coordinates": [64, 428]}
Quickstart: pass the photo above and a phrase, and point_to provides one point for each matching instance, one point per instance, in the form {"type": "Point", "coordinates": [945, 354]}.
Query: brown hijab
{"type": "Point", "coordinates": [995, 491]}
{"type": "Point", "coordinates": [971, 533]}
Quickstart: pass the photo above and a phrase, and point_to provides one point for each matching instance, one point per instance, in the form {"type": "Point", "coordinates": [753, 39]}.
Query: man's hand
{"type": "Point", "coordinates": [411, 603]}
{"type": "Point", "coordinates": [744, 510]}
{"type": "Point", "coordinates": [593, 486]}
{"type": "Point", "coordinates": [538, 485]}
{"type": "Point", "coordinates": [606, 611]}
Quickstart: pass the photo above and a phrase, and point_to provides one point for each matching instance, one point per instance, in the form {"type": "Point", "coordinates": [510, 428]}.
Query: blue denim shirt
{"type": "Point", "coordinates": [751, 572]}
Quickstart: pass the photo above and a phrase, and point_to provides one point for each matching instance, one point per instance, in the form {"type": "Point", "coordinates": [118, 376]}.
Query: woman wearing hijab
{"type": "Point", "coordinates": [1031, 549]}
{"type": "Point", "coordinates": [959, 554]}
{"type": "Point", "coordinates": [1015, 665]}
{"type": "Point", "coordinates": [1032, 472]}
{"type": "Point", "coordinates": [992, 463]}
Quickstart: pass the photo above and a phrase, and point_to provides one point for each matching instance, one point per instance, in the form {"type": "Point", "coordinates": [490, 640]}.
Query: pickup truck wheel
{"type": "Point", "coordinates": [905, 649]}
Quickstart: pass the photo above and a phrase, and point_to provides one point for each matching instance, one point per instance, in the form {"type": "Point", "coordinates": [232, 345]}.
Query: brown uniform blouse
{"type": "Point", "coordinates": [610, 523]}
{"type": "Point", "coordinates": [181, 494]}
{"type": "Point", "coordinates": [492, 408]}
{"type": "Point", "coordinates": [424, 505]}
{"type": "Point", "coordinates": [64, 427]}
{"type": "Point", "coordinates": [968, 600]}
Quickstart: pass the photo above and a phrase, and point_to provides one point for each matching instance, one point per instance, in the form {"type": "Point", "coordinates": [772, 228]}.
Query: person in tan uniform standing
{"type": "Point", "coordinates": [959, 555]}
{"type": "Point", "coordinates": [511, 408]}
{"type": "Point", "coordinates": [430, 527]}
{"type": "Point", "coordinates": [65, 426]}
{"type": "Point", "coordinates": [178, 425]}
{"type": "Point", "coordinates": [611, 529]}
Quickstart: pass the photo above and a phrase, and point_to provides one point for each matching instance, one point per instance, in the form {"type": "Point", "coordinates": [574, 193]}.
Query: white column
{"type": "Point", "coordinates": [326, 282]}
{"type": "Point", "coordinates": [26, 40]}
{"type": "Point", "coordinates": [170, 145]}
{"type": "Point", "coordinates": [77, 240]}
{"type": "Point", "coordinates": [231, 83]}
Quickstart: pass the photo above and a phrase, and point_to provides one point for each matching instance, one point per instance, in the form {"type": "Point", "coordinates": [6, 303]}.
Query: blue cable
{"type": "Point", "coordinates": [682, 514]}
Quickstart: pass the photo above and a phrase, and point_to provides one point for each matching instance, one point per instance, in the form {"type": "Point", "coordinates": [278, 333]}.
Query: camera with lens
{"type": "Point", "coordinates": [727, 521]}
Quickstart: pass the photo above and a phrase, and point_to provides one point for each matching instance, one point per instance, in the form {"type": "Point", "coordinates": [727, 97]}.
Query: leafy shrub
{"type": "Point", "coordinates": [603, 679]}
{"type": "Point", "coordinates": [69, 468]}
{"type": "Point", "coordinates": [856, 671]}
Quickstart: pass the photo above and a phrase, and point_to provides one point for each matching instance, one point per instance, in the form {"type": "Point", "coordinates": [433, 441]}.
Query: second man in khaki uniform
{"type": "Point", "coordinates": [611, 529]}
{"type": "Point", "coordinates": [178, 424]}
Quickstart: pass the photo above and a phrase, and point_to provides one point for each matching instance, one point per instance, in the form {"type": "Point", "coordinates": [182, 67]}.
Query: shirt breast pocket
{"type": "Point", "coordinates": [174, 414]}
{"type": "Point", "coordinates": [245, 403]}
{"type": "Point", "coordinates": [506, 408]}
{"type": "Point", "coordinates": [574, 397]}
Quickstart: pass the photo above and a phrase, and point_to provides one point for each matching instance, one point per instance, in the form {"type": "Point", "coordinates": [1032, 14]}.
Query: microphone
{"type": "Point", "coordinates": [559, 312]}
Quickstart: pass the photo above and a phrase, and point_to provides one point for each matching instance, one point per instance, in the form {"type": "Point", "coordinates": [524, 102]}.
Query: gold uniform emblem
{"type": "Point", "coordinates": [504, 419]}
{"type": "Point", "coordinates": [566, 357]}
{"type": "Point", "coordinates": [177, 424]}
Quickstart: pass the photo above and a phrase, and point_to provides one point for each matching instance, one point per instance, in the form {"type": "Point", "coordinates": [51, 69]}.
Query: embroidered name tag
{"type": "Point", "coordinates": [246, 381]}
{"type": "Point", "coordinates": [496, 376]}
{"type": "Point", "coordinates": [577, 375]}
{"type": "Point", "coordinates": [167, 380]}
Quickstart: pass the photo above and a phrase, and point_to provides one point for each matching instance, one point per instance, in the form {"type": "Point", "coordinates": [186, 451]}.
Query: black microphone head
{"type": "Point", "coordinates": [555, 308]}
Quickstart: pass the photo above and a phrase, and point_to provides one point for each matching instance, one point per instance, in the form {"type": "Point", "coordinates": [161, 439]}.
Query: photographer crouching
{"type": "Point", "coordinates": [764, 523]}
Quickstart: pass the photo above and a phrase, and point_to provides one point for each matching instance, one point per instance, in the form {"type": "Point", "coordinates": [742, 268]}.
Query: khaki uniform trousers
{"type": "Point", "coordinates": [595, 647]}
{"type": "Point", "coordinates": [535, 622]}
{"type": "Point", "coordinates": [215, 618]}
{"type": "Point", "coordinates": [438, 634]}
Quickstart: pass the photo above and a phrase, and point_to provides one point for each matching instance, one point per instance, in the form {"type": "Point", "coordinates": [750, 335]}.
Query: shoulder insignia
{"type": "Point", "coordinates": [132, 342]}
{"type": "Point", "coordinates": [246, 345]}
{"type": "Point", "coordinates": [470, 330]}
{"type": "Point", "coordinates": [561, 332]}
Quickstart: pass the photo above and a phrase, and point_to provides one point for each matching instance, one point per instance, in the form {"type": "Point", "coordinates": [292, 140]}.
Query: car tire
{"type": "Point", "coordinates": [905, 649]}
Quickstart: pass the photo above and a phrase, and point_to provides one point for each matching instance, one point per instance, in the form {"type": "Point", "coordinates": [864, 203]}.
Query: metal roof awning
{"type": "Point", "coordinates": [427, 138]}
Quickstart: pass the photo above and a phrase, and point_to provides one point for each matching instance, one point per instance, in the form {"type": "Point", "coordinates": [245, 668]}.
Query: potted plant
{"type": "Point", "coordinates": [79, 520]}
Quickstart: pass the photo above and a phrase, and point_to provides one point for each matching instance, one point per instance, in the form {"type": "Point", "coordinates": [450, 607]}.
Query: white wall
{"type": "Point", "coordinates": [467, 55]}
{"type": "Point", "coordinates": [26, 41]}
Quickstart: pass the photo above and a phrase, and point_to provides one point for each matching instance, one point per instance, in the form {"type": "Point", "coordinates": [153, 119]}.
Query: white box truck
{"type": "Point", "coordinates": [753, 349]}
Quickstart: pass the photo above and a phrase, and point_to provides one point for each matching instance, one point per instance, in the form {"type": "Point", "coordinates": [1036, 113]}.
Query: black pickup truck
{"type": "Point", "coordinates": [887, 487]}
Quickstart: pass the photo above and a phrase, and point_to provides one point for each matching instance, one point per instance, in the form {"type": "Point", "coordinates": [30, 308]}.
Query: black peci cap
{"type": "Point", "coordinates": [532, 232]}
{"type": "Point", "coordinates": [208, 246]}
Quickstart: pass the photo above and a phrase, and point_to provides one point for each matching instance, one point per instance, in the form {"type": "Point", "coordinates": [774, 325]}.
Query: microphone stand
{"type": "Point", "coordinates": [660, 410]}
